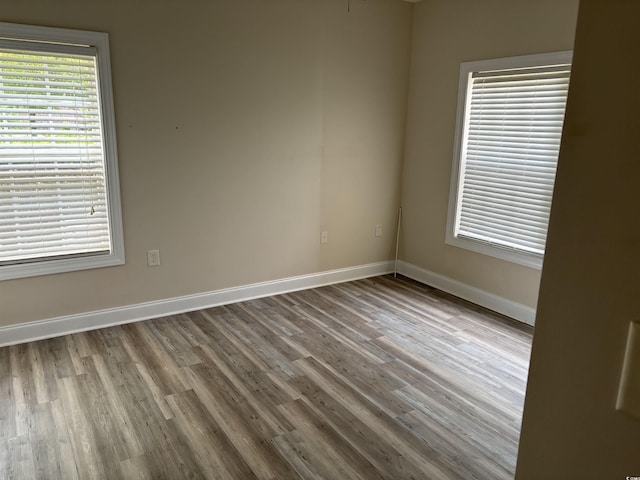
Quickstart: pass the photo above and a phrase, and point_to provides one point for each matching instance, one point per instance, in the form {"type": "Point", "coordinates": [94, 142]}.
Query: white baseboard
{"type": "Point", "coordinates": [54, 327]}
{"type": "Point", "coordinates": [488, 300]}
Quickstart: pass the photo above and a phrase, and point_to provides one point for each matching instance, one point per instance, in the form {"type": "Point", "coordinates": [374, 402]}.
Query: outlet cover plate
{"type": "Point", "coordinates": [153, 258]}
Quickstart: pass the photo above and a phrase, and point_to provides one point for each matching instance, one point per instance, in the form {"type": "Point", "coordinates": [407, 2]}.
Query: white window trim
{"type": "Point", "coordinates": [100, 41]}
{"type": "Point", "coordinates": [464, 95]}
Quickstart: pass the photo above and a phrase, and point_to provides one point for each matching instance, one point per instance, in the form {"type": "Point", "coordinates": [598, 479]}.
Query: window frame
{"type": "Point", "coordinates": [455, 190]}
{"type": "Point", "coordinates": [99, 41]}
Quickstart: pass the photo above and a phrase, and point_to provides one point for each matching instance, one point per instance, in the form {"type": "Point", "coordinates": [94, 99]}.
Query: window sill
{"type": "Point", "coordinates": [520, 258]}
{"type": "Point", "coordinates": [47, 267]}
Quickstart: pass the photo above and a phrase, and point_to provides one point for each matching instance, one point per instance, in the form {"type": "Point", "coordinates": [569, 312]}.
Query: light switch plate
{"type": "Point", "coordinates": [629, 391]}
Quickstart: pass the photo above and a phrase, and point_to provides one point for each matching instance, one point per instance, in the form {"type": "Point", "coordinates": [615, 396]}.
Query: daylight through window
{"type": "Point", "coordinates": [59, 205]}
{"type": "Point", "coordinates": [510, 121]}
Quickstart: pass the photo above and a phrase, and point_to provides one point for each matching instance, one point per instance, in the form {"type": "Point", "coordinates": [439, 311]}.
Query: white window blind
{"type": "Point", "coordinates": [52, 180]}
{"type": "Point", "coordinates": [57, 194]}
{"type": "Point", "coordinates": [508, 155]}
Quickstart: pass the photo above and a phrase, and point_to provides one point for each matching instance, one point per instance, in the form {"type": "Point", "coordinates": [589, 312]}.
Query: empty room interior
{"type": "Point", "coordinates": [275, 259]}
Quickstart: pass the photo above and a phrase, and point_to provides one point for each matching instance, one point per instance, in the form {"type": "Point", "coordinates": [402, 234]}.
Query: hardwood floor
{"type": "Point", "coordinates": [377, 378]}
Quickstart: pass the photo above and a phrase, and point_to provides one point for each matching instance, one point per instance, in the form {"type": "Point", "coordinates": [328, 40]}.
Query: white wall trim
{"type": "Point", "coordinates": [54, 327]}
{"type": "Point", "coordinates": [488, 300]}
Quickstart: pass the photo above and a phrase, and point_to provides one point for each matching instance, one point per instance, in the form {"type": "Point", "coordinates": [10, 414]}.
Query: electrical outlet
{"type": "Point", "coordinates": [324, 237]}
{"type": "Point", "coordinates": [153, 258]}
{"type": "Point", "coordinates": [379, 230]}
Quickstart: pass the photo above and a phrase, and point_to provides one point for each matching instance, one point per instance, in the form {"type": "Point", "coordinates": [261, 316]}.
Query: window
{"type": "Point", "coordinates": [510, 117]}
{"type": "Point", "coordinates": [59, 194]}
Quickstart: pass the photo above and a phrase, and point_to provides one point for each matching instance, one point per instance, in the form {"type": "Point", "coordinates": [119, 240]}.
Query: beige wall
{"type": "Point", "coordinates": [244, 128]}
{"type": "Point", "coordinates": [445, 34]}
{"type": "Point", "coordinates": [591, 276]}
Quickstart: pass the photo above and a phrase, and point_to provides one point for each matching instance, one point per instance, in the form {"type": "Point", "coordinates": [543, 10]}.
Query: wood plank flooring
{"type": "Point", "coordinates": [380, 378]}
